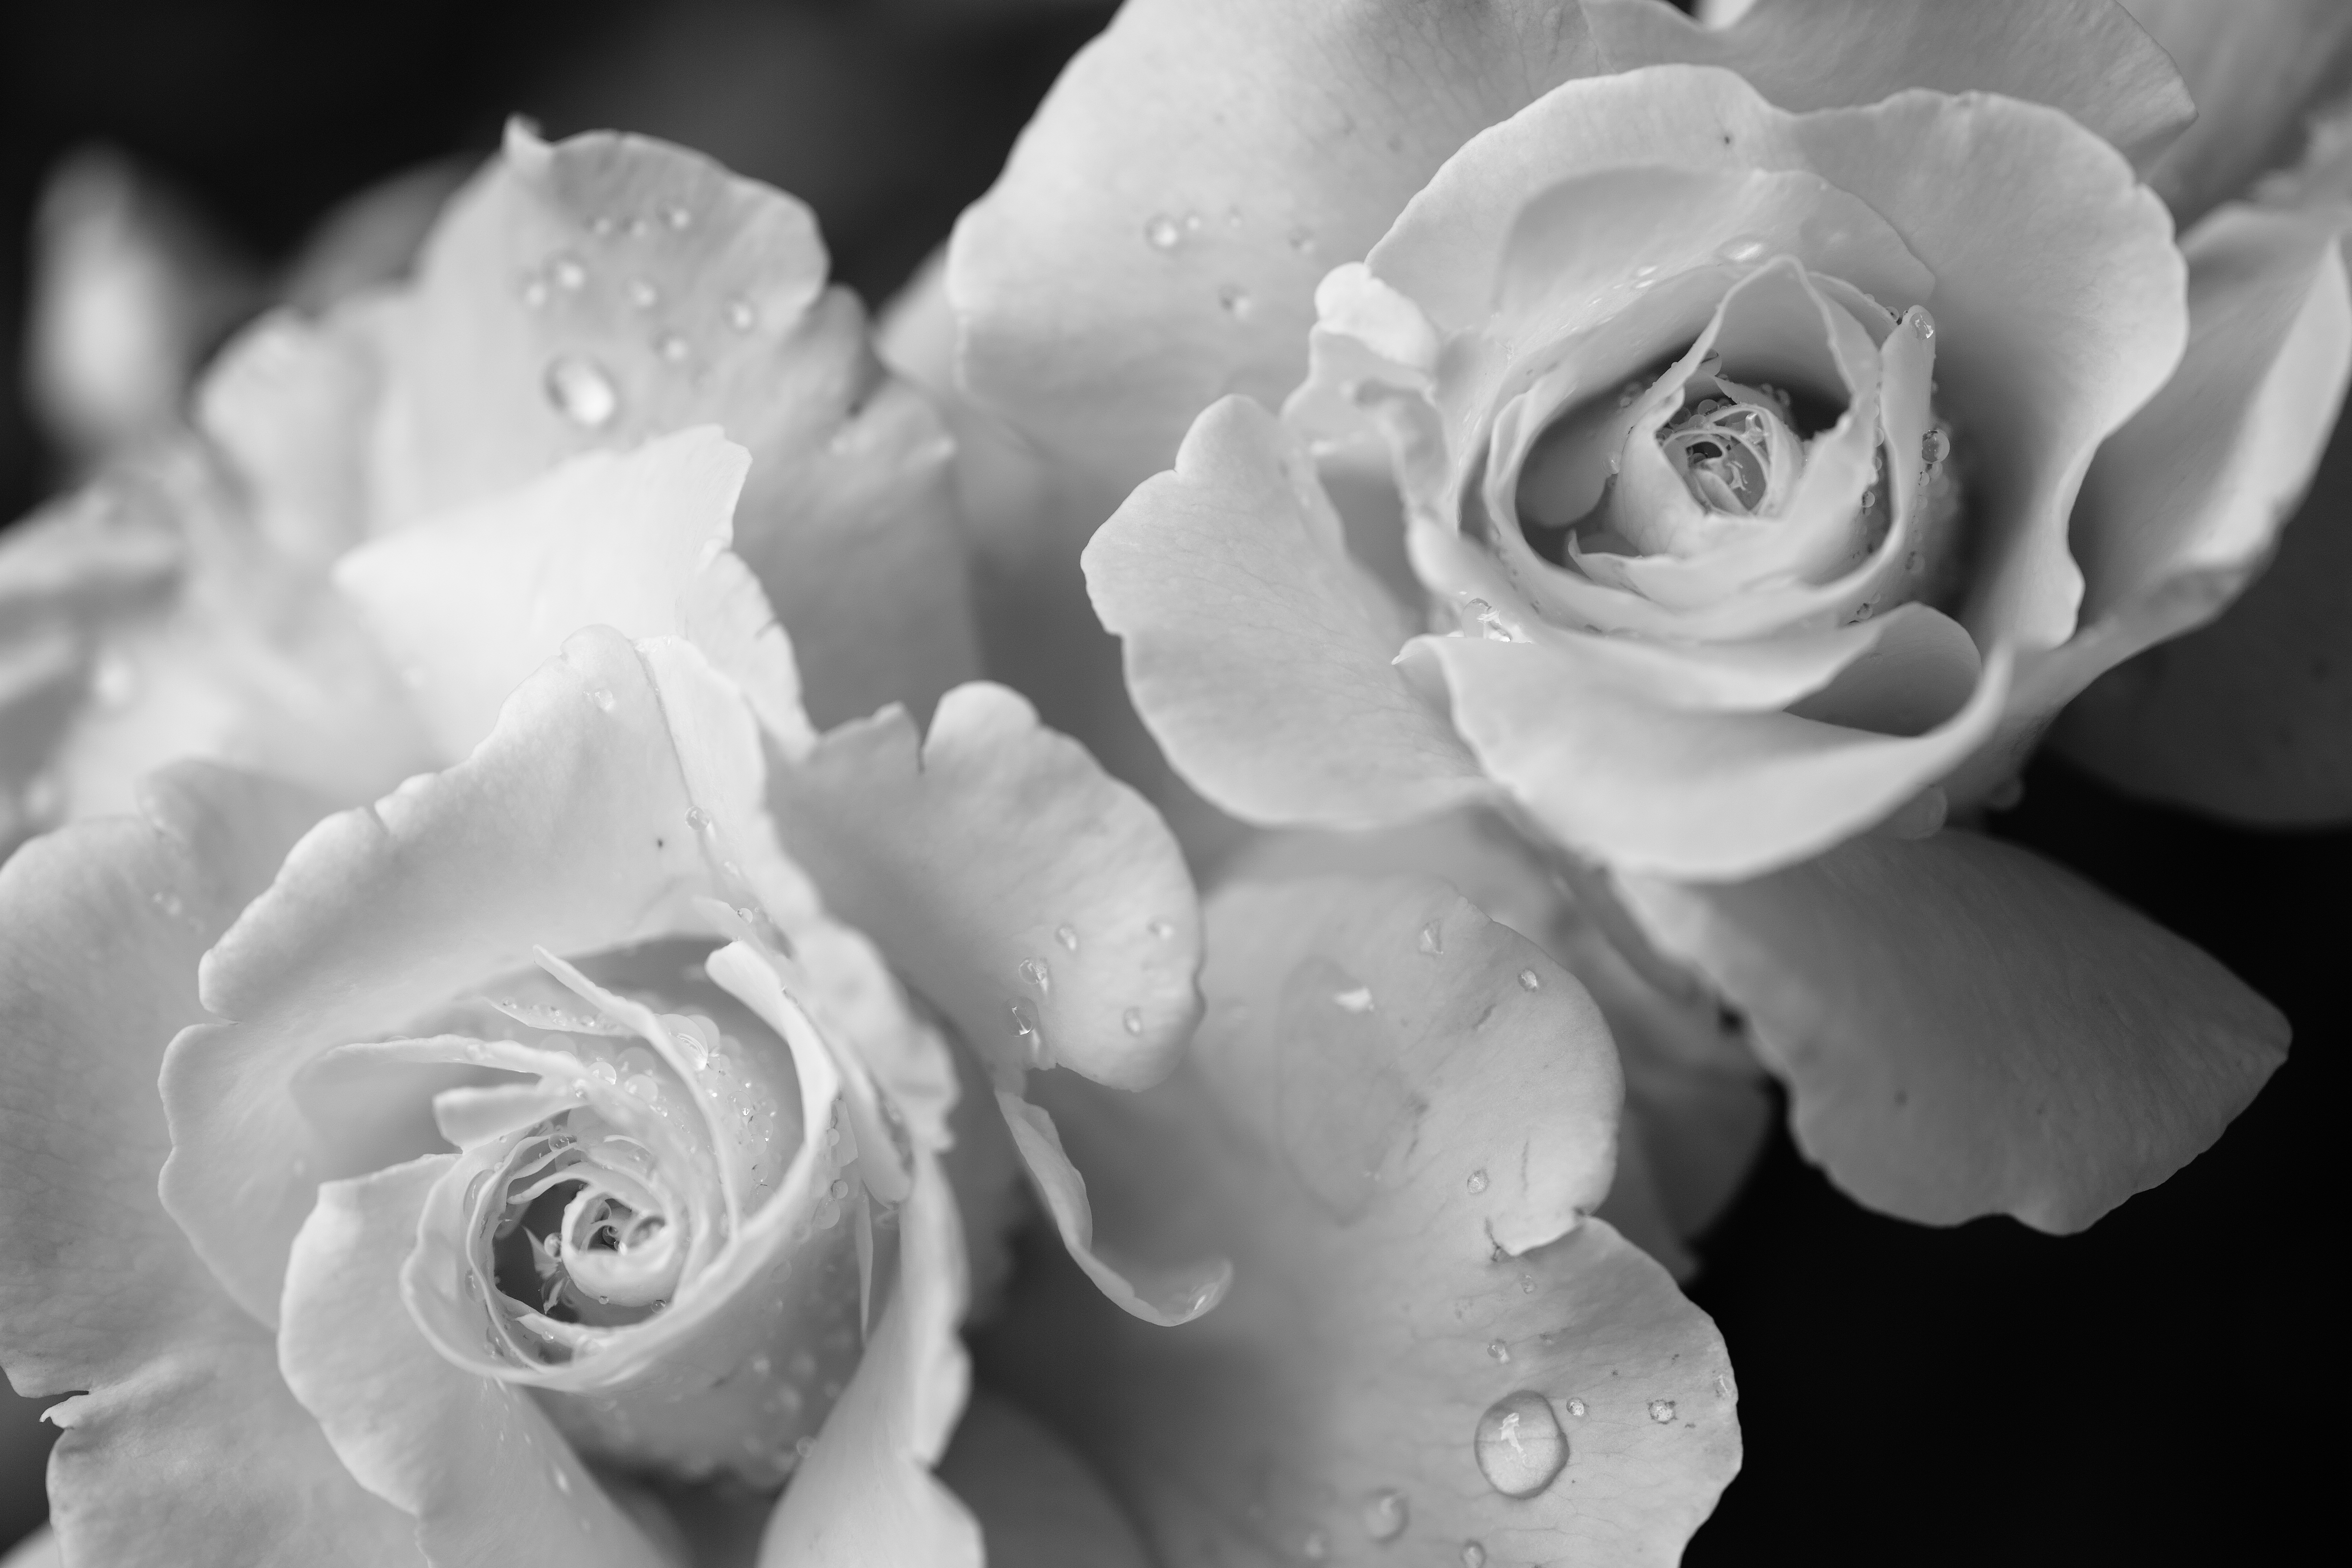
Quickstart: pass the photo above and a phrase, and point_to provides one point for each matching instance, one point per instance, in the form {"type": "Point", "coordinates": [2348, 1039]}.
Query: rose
{"type": "Point", "coordinates": [1259, 651]}
{"type": "Point", "coordinates": [385, 979]}
{"type": "Point", "coordinates": [572, 299]}
{"type": "Point", "coordinates": [598, 1241]}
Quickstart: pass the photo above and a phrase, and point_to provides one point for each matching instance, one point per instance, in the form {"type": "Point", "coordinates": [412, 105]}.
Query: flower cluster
{"type": "Point", "coordinates": [543, 992]}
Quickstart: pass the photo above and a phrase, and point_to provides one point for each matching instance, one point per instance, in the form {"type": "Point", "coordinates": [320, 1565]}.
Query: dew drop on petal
{"type": "Point", "coordinates": [1472, 1555]}
{"type": "Point", "coordinates": [1529, 980]}
{"type": "Point", "coordinates": [1236, 302]}
{"type": "Point", "coordinates": [1359, 1000]}
{"type": "Point", "coordinates": [1385, 1514]}
{"type": "Point", "coordinates": [1497, 1351]}
{"type": "Point", "coordinates": [1034, 972]}
{"type": "Point", "coordinates": [1742, 248]}
{"type": "Point", "coordinates": [1520, 1448]}
{"type": "Point", "coordinates": [1576, 1408]}
{"type": "Point", "coordinates": [1314, 1548]}
{"type": "Point", "coordinates": [1132, 1020]}
{"type": "Point", "coordinates": [562, 1478]}
{"type": "Point", "coordinates": [582, 391]}
{"type": "Point", "coordinates": [673, 348]}
{"type": "Point", "coordinates": [1163, 233]}
{"type": "Point", "coordinates": [677, 217]}
{"type": "Point", "coordinates": [642, 294]}
{"type": "Point", "coordinates": [1068, 937]}
{"type": "Point", "coordinates": [601, 697]}
{"type": "Point", "coordinates": [1935, 447]}
{"type": "Point", "coordinates": [569, 275]}
{"type": "Point", "coordinates": [534, 292]}
{"type": "Point", "coordinates": [697, 818]}
{"type": "Point", "coordinates": [742, 316]}
{"type": "Point", "coordinates": [1302, 239]}
{"type": "Point", "coordinates": [169, 902]}
{"type": "Point", "coordinates": [1161, 929]}
{"type": "Point", "coordinates": [1918, 318]}
{"type": "Point", "coordinates": [1024, 1018]}
{"type": "Point", "coordinates": [1433, 940]}
{"type": "Point", "coordinates": [1476, 1184]}
{"type": "Point", "coordinates": [1662, 1411]}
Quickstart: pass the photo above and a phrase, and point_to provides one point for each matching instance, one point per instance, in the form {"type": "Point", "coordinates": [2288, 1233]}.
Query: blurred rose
{"type": "Point", "coordinates": [208, 597]}
{"type": "Point", "coordinates": [1736, 390]}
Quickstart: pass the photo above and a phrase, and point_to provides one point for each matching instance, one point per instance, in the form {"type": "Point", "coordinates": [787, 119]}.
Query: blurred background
{"type": "Point", "coordinates": [2164, 1388]}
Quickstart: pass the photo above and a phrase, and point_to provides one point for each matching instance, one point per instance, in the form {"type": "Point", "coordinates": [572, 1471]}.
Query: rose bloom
{"type": "Point", "coordinates": [1707, 458]}
{"type": "Point", "coordinates": [585, 1152]}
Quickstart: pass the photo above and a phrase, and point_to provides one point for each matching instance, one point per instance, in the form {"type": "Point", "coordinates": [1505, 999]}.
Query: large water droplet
{"type": "Point", "coordinates": [1068, 937]}
{"type": "Point", "coordinates": [1476, 1184]}
{"type": "Point", "coordinates": [1386, 1514]}
{"type": "Point", "coordinates": [1662, 1411]}
{"type": "Point", "coordinates": [582, 391]}
{"type": "Point", "coordinates": [1918, 318]}
{"type": "Point", "coordinates": [1520, 1446]}
{"type": "Point", "coordinates": [1024, 1018]}
{"type": "Point", "coordinates": [1033, 972]}
{"type": "Point", "coordinates": [1576, 1408]}
{"type": "Point", "coordinates": [1498, 1351]}
{"type": "Point", "coordinates": [1529, 980]}
{"type": "Point", "coordinates": [1935, 447]}
{"type": "Point", "coordinates": [1163, 233]}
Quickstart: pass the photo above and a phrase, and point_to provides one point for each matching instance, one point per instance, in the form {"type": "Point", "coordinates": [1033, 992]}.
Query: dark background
{"type": "Point", "coordinates": [2157, 1390]}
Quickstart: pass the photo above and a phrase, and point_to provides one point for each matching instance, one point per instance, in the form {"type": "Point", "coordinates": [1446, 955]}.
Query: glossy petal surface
{"type": "Point", "coordinates": [1967, 1029]}
{"type": "Point", "coordinates": [100, 1291]}
{"type": "Point", "coordinates": [1397, 1146]}
{"type": "Point", "coordinates": [1258, 652]}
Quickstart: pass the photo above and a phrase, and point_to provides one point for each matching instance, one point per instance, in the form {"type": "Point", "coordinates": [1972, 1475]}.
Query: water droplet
{"type": "Point", "coordinates": [1034, 972]}
{"type": "Point", "coordinates": [1068, 937]}
{"type": "Point", "coordinates": [1476, 1184]}
{"type": "Point", "coordinates": [474, 1190]}
{"type": "Point", "coordinates": [1662, 1411]}
{"type": "Point", "coordinates": [1498, 1351]}
{"type": "Point", "coordinates": [600, 698]}
{"type": "Point", "coordinates": [1236, 302]}
{"type": "Point", "coordinates": [1919, 322]}
{"type": "Point", "coordinates": [1163, 233]}
{"type": "Point", "coordinates": [1935, 447]}
{"type": "Point", "coordinates": [1433, 939]}
{"type": "Point", "coordinates": [1472, 1555]}
{"type": "Point", "coordinates": [1576, 1408]}
{"type": "Point", "coordinates": [642, 294]}
{"type": "Point", "coordinates": [1132, 1020]}
{"type": "Point", "coordinates": [534, 291]}
{"type": "Point", "coordinates": [697, 818]}
{"type": "Point", "coordinates": [1024, 1018]}
{"type": "Point", "coordinates": [582, 391]}
{"type": "Point", "coordinates": [840, 1189]}
{"type": "Point", "coordinates": [1314, 1548]}
{"type": "Point", "coordinates": [1385, 1514]}
{"type": "Point", "coordinates": [1527, 1283]}
{"type": "Point", "coordinates": [1302, 239]}
{"type": "Point", "coordinates": [677, 217]}
{"type": "Point", "coordinates": [742, 316]}
{"type": "Point", "coordinates": [563, 1480]}
{"type": "Point", "coordinates": [673, 348]}
{"type": "Point", "coordinates": [1519, 1445]}
{"type": "Point", "coordinates": [1529, 980]}
{"type": "Point", "coordinates": [169, 902]}
{"type": "Point", "coordinates": [568, 274]}
{"type": "Point", "coordinates": [601, 224]}
{"type": "Point", "coordinates": [1161, 929]}
{"type": "Point", "coordinates": [1359, 1000]}
{"type": "Point", "coordinates": [1742, 248]}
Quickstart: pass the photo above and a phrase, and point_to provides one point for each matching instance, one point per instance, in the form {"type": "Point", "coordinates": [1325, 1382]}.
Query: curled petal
{"type": "Point", "coordinates": [1043, 904]}
{"type": "Point", "coordinates": [1967, 1029]}
{"type": "Point", "coordinates": [1259, 653]}
{"type": "Point", "coordinates": [1399, 1163]}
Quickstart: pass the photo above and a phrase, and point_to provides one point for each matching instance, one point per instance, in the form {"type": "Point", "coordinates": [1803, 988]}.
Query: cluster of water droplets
{"type": "Point", "coordinates": [1034, 975]}
{"type": "Point", "coordinates": [580, 386]}
{"type": "Point", "coordinates": [1166, 234]}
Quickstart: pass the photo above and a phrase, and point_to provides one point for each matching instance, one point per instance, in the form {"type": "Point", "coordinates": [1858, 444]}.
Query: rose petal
{"type": "Point", "coordinates": [1038, 1506]}
{"type": "Point", "coordinates": [1616, 776]}
{"type": "Point", "coordinates": [99, 1290]}
{"type": "Point", "coordinates": [1157, 237]}
{"type": "Point", "coordinates": [473, 1460]}
{"type": "Point", "coordinates": [2246, 717]}
{"type": "Point", "coordinates": [2083, 57]}
{"type": "Point", "coordinates": [999, 865]}
{"type": "Point", "coordinates": [1259, 654]}
{"type": "Point", "coordinates": [866, 1494]}
{"type": "Point", "coordinates": [567, 829]}
{"type": "Point", "coordinates": [2254, 67]}
{"type": "Point", "coordinates": [469, 603]}
{"type": "Point", "coordinates": [282, 402]}
{"type": "Point", "coordinates": [1967, 1029]}
{"type": "Point", "coordinates": [1376, 1162]}
{"type": "Point", "coordinates": [674, 294]}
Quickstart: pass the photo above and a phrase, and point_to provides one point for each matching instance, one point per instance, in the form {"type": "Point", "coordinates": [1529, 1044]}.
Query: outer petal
{"type": "Point", "coordinates": [2254, 67]}
{"type": "Point", "coordinates": [1967, 1029]}
{"type": "Point", "coordinates": [611, 288]}
{"type": "Point", "coordinates": [1043, 905]}
{"type": "Point", "coordinates": [1616, 776]}
{"type": "Point", "coordinates": [2083, 57]}
{"type": "Point", "coordinates": [566, 829]}
{"type": "Point", "coordinates": [470, 604]}
{"type": "Point", "coordinates": [1399, 1163]}
{"type": "Point", "coordinates": [1259, 653]}
{"type": "Point", "coordinates": [1155, 241]}
{"type": "Point", "coordinates": [1038, 1505]}
{"type": "Point", "coordinates": [866, 1495]}
{"type": "Point", "coordinates": [99, 1290]}
{"type": "Point", "coordinates": [475, 1462]}
{"type": "Point", "coordinates": [2249, 717]}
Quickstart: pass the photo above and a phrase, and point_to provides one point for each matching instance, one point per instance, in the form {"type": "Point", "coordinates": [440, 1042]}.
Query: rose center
{"type": "Point", "coordinates": [1736, 453]}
